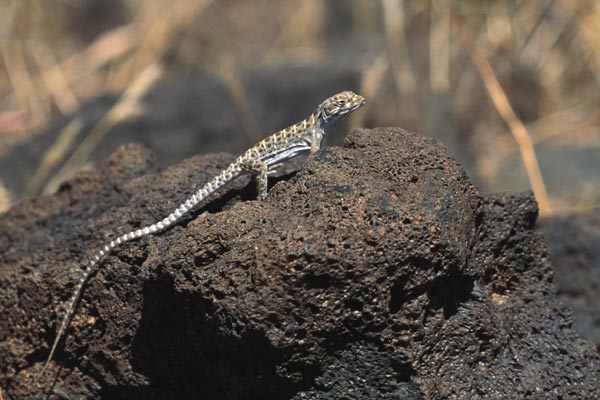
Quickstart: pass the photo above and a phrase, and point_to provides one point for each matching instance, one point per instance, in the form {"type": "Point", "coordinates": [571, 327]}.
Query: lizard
{"type": "Point", "coordinates": [260, 160]}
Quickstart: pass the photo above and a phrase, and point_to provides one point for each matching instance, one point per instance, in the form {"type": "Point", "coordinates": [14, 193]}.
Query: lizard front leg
{"type": "Point", "coordinates": [316, 139]}
{"type": "Point", "coordinates": [259, 169]}
{"type": "Point", "coordinates": [315, 145]}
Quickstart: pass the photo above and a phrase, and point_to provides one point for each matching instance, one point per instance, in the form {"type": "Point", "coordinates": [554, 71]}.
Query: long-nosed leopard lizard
{"type": "Point", "coordinates": [260, 160]}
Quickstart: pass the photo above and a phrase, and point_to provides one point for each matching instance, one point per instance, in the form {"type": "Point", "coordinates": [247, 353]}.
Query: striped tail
{"type": "Point", "coordinates": [216, 183]}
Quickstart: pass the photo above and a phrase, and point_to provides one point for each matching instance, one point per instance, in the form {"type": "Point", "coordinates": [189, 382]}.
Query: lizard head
{"type": "Point", "coordinates": [336, 107]}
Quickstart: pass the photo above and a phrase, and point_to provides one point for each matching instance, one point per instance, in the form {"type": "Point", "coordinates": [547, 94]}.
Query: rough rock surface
{"type": "Point", "coordinates": [377, 271]}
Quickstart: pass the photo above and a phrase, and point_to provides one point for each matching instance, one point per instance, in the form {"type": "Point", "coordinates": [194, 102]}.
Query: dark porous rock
{"type": "Point", "coordinates": [378, 271]}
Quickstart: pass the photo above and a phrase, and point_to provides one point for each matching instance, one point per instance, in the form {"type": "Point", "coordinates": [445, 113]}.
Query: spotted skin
{"type": "Point", "coordinates": [261, 160]}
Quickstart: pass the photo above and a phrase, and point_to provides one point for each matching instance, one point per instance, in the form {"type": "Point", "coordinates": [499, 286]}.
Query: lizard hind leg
{"type": "Point", "coordinates": [260, 170]}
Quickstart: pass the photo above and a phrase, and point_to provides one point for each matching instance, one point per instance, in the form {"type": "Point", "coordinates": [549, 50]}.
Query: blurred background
{"type": "Point", "coordinates": [510, 87]}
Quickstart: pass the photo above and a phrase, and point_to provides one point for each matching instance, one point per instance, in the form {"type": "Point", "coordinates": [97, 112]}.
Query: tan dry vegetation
{"type": "Point", "coordinates": [495, 80]}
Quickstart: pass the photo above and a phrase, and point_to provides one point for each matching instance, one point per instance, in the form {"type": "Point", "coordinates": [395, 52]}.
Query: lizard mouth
{"type": "Point", "coordinates": [358, 104]}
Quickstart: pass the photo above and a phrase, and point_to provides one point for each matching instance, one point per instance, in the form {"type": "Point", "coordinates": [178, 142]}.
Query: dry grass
{"type": "Point", "coordinates": [53, 62]}
{"type": "Point", "coordinates": [128, 106]}
{"type": "Point", "coordinates": [506, 111]}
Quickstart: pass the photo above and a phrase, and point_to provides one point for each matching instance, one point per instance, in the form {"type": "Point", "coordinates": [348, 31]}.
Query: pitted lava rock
{"type": "Point", "coordinates": [378, 271]}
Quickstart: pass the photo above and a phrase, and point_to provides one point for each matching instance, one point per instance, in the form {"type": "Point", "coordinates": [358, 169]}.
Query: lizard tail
{"type": "Point", "coordinates": [202, 193]}
{"type": "Point", "coordinates": [71, 304]}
